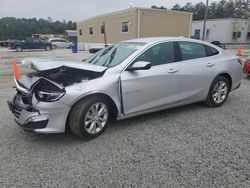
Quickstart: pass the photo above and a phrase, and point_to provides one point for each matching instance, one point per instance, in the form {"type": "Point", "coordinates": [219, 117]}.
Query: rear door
{"type": "Point", "coordinates": [156, 87]}
{"type": "Point", "coordinates": [197, 70]}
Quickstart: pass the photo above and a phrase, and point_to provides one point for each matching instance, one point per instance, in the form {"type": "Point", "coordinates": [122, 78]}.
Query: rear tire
{"type": "Point", "coordinates": [19, 48]}
{"type": "Point", "coordinates": [84, 118]}
{"type": "Point", "coordinates": [218, 92]}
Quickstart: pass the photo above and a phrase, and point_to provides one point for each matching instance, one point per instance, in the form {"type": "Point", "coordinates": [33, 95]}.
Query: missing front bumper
{"type": "Point", "coordinates": [28, 120]}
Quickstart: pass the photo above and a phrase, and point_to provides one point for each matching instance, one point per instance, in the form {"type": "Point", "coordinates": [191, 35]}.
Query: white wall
{"type": "Point", "coordinates": [222, 30]}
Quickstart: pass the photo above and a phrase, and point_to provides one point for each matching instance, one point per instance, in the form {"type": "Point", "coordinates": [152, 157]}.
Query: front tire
{"type": "Point", "coordinates": [89, 117]}
{"type": "Point", "coordinates": [54, 47]}
{"type": "Point", "coordinates": [47, 48]}
{"type": "Point", "coordinates": [218, 92]}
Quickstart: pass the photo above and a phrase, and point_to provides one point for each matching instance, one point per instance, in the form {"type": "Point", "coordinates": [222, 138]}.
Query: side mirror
{"type": "Point", "coordinates": [139, 65]}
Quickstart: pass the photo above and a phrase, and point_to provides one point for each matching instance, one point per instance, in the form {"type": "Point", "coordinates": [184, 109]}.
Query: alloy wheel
{"type": "Point", "coordinates": [96, 118]}
{"type": "Point", "coordinates": [220, 91]}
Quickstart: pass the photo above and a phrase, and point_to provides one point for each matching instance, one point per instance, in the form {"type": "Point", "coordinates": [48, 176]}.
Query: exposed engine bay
{"type": "Point", "coordinates": [48, 80]}
{"type": "Point", "coordinates": [66, 76]}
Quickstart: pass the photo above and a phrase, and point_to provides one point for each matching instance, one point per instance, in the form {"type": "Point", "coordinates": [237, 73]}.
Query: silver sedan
{"type": "Point", "coordinates": [121, 81]}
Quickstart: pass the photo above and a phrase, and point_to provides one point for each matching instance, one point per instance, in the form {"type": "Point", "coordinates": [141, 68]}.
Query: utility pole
{"type": "Point", "coordinates": [205, 21]}
{"type": "Point", "coordinates": [105, 37]}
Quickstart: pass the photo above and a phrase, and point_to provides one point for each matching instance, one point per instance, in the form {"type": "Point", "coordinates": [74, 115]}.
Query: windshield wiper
{"type": "Point", "coordinates": [111, 57]}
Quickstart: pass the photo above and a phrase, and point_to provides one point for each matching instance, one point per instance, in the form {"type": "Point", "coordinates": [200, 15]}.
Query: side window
{"type": "Point", "coordinates": [192, 50]}
{"type": "Point", "coordinates": [211, 51]}
{"type": "Point", "coordinates": [159, 54]}
{"type": "Point", "coordinates": [36, 41]}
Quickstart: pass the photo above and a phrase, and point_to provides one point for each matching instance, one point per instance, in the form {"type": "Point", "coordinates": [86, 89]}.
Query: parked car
{"type": "Point", "coordinates": [60, 43]}
{"type": "Point", "coordinates": [246, 66]}
{"type": "Point", "coordinates": [121, 81]}
{"type": "Point", "coordinates": [30, 43]}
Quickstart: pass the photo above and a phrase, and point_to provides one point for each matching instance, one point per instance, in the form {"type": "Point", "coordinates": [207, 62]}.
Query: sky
{"type": "Point", "coordinates": [75, 10]}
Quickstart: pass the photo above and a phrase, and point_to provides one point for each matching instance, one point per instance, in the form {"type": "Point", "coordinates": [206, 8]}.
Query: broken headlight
{"type": "Point", "coordinates": [46, 91]}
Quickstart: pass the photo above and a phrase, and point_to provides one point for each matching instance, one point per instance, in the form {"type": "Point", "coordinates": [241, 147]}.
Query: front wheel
{"type": "Point", "coordinates": [218, 92]}
{"type": "Point", "coordinates": [89, 117]}
{"type": "Point", "coordinates": [54, 47]}
{"type": "Point", "coordinates": [47, 48]}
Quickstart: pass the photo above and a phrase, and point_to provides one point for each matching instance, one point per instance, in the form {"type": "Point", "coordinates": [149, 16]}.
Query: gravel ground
{"type": "Point", "coordinates": [191, 146]}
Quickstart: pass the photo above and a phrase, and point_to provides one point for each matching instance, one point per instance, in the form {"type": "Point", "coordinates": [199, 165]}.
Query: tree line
{"type": "Point", "coordinates": [20, 28]}
{"type": "Point", "coordinates": [221, 9]}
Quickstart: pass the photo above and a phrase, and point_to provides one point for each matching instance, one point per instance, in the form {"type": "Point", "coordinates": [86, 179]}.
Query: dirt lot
{"type": "Point", "coordinates": [191, 146]}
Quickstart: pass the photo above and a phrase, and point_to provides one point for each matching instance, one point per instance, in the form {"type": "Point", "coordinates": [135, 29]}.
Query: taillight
{"type": "Point", "coordinates": [248, 60]}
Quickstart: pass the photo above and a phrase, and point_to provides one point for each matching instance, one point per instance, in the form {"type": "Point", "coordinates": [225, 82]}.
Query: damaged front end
{"type": "Point", "coordinates": [37, 105]}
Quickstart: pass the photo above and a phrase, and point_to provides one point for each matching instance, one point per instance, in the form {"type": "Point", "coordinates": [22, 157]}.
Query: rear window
{"type": "Point", "coordinates": [211, 51]}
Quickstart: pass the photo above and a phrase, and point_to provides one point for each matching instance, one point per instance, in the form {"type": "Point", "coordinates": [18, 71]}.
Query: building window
{"type": "Point", "coordinates": [80, 32]}
{"type": "Point", "coordinates": [248, 35]}
{"type": "Point", "coordinates": [208, 33]}
{"type": "Point", "coordinates": [234, 35]}
{"type": "Point", "coordinates": [197, 33]}
{"type": "Point", "coordinates": [125, 26]}
{"type": "Point", "coordinates": [91, 30]}
{"type": "Point", "coordinates": [238, 34]}
{"type": "Point", "coordinates": [102, 29]}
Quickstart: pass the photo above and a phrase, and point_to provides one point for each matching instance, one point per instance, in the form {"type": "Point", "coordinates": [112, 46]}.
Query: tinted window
{"type": "Point", "coordinates": [36, 40]}
{"type": "Point", "coordinates": [159, 54]}
{"type": "Point", "coordinates": [211, 51]}
{"type": "Point", "coordinates": [191, 50]}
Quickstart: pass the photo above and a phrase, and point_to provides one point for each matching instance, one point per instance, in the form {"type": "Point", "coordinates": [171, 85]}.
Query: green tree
{"type": "Point", "coordinates": [20, 28]}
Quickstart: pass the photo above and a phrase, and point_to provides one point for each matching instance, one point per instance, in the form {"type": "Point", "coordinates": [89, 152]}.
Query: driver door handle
{"type": "Point", "coordinates": [172, 70]}
{"type": "Point", "coordinates": [210, 64]}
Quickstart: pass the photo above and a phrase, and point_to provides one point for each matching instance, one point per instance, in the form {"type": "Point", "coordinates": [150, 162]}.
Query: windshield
{"type": "Point", "coordinates": [115, 54]}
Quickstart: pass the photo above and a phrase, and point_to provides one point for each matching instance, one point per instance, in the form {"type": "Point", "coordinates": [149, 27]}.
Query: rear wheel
{"type": "Point", "coordinates": [19, 48]}
{"type": "Point", "coordinates": [218, 92]}
{"type": "Point", "coordinates": [89, 117]}
{"type": "Point", "coordinates": [48, 48]}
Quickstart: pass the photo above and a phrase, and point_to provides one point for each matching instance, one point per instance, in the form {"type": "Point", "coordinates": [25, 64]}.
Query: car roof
{"type": "Point", "coordinates": [153, 40]}
{"type": "Point", "coordinates": [57, 39]}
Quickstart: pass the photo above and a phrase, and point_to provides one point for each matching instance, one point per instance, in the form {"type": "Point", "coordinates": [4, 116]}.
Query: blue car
{"type": "Point", "coordinates": [31, 43]}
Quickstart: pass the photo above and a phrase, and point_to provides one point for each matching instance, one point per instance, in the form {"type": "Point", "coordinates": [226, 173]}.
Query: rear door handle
{"type": "Point", "coordinates": [210, 64]}
{"type": "Point", "coordinates": [172, 70]}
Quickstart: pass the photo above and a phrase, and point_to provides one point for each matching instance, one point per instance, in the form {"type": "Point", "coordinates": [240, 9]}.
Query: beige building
{"type": "Point", "coordinates": [132, 23]}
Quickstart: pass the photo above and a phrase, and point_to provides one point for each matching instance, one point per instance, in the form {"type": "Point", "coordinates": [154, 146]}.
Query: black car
{"type": "Point", "coordinates": [30, 43]}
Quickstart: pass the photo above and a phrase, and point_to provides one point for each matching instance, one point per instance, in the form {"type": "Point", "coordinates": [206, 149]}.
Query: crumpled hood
{"type": "Point", "coordinates": [39, 64]}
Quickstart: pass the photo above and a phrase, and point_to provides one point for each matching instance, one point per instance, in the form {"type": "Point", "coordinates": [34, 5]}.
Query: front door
{"type": "Point", "coordinates": [156, 87]}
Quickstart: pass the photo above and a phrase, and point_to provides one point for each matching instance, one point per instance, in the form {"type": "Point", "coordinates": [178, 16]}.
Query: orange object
{"type": "Point", "coordinates": [15, 70]}
{"type": "Point", "coordinates": [239, 51]}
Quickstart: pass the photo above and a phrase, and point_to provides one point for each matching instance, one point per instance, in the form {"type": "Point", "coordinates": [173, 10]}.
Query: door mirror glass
{"type": "Point", "coordinates": [139, 65]}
